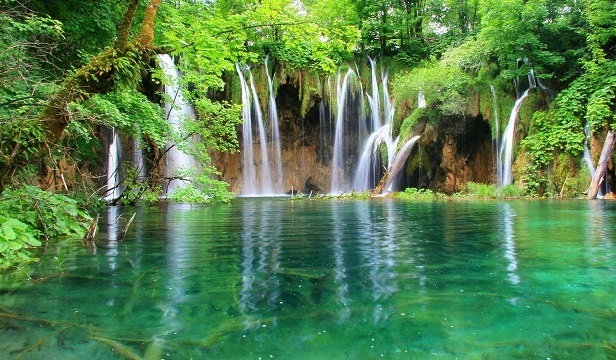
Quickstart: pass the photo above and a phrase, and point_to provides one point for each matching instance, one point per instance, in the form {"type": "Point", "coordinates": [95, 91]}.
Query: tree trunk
{"type": "Point", "coordinates": [606, 154]}
{"type": "Point", "coordinates": [396, 166]}
{"type": "Point", "coordinates": [127, 22]}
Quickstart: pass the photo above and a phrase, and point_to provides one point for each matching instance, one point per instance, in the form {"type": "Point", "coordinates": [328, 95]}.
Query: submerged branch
{"type": "Point", "coordinates": [121, 349]}
{"type": "Point", "coordinates": [125, 230]}
{"type": "Point", "coordinates": [88, 239]}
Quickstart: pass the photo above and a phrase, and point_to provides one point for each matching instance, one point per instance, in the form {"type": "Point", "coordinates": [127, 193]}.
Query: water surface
{"type": "Point", "coordinates": [344, 279]}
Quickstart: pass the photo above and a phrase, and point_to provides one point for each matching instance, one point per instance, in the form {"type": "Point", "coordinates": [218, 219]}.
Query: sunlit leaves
{"type": "Point", "coordinates": [437, 81]}
{"type": "Point", "coordinates": [28, 214]}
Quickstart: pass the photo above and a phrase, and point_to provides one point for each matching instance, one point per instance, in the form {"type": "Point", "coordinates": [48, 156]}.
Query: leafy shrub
{"type": "Point", "coordinates": [473, 190]}
{"type": "Point", "coordinates": [15, 240]}
{"type": "Point", "coordinates": [419, 194]}
{"type": "Point", "coordinates": [201, 188]}
{"type": "Point", "coordinates": [30, 214]}
{"type": "Point", "coordinates": [480, 191]}
{"type": "Point", "coordinates": [510, 191]}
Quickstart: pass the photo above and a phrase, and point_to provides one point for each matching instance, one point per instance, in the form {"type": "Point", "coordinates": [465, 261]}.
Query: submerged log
{"type": "Point", "coordinates": [606, 155]}
{"type": "Point", "coordinates": [125, 230]}
{"type": "Point", "coordinates": [119, 348]}
{"type": "Point", "coordinates": [88, 239]}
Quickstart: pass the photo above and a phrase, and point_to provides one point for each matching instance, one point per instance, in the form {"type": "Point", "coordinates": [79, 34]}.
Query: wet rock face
{"type": "Point", "coordinates": [453, 152]}
{"type": "Point", "coordinates": [306, 159]}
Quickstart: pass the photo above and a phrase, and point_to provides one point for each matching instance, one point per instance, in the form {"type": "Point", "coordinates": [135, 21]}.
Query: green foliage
{"type": "Point", "coordinates": [15, 241]}
{"type": "Point", "coordinates": [128, 110]}
{"type": "Point", "coordinates": [215, 126]}
{"type": "Point", "coordinates": [201, 188]}
{"type": "Point", "coordinates": [513, 29]}
{"type": "Point", "coordinates": [353, 195]}
{"type": "Point", "coordinates": [138, 189]}
{"type": "Point", "coordinates": [88, 25]}
{"type": "Point", "coordinates": [24, 84]}
{"type": "Point", "coordinates": [138, 116]}
{"type": "Point", "coordinates": [28, 214]}
{"type": "Point", "coordinates": [447, 84]}
{"type": "Point", "coordinates": [419, 194]}
{"type": "Point", "coordinates": [480, 191]}
{"type": "Point", "coordinates": [470, 56]}
{"type": "Point", "coordinates": [510, 191]}
{"type": "Point", "coordinates": [535, 181]}
{"type": "Point", "coordinates": [549, 133]}
{"type": "Point", "coordinates": [473, 190]}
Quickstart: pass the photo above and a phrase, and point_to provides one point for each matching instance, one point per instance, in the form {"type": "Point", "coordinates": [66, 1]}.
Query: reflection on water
{"type": "Point", "coordinates": [325, 280]}
{"type": "Point", "coordinates": [508, 236]}
{"type": "Point", "coordinates": [340, 277]}
{"type": "Point", "coordinates": [261, 251]}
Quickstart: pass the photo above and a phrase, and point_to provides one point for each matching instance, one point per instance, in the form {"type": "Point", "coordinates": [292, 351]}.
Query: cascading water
{"type": "Point", "coordinates": [266, 173]}
{"type": "Point", "coordinates": [178, 110]}
{"type": "Point", "coordinates": [506, 148]}
{"type": "Point", "coordinates": [587, 157]}
{"type": "Point", "coordinates": [275, 148]}
{"type": "Point", "coordinates": [265, 181]}
{"type": "Point", "coordinates": [374, 100]}
{"type": "Point", "coordinates": [113, 167]}
{"type": "Point", "coordinates": [339, 179]}
{"type": "Point", "coordinates": [249, 171]}
{"type": "Point", "coordinates": [369, 165]}
{"type": "Point", "coordinates": [421, 100]}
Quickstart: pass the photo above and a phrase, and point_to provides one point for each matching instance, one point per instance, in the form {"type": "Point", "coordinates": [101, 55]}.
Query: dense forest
{"type": "Point", "coordinates": [72, 70]}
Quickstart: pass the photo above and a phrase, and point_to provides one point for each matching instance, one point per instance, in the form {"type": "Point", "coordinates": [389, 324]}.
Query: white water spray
{"type": "Point", "coordinates": [339, 178]}
{"type": "Point", "coordinates": [113, 167]}
{"type": "Point", "coordinates": [506, 147]}
{"type": "Point", "coordinates": [178, 111]}
{"type": "Point", "coordinates": [276, 142]}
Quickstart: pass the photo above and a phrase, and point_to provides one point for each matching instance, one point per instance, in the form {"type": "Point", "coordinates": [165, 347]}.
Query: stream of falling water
{"type": "Point", "coordinates": [178, 110]}
{"type": "Point", "coordinates": [506, 147]}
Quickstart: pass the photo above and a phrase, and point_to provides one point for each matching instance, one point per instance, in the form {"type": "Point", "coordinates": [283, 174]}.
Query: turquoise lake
{"type": "Point", "coordinates": [339, 279]}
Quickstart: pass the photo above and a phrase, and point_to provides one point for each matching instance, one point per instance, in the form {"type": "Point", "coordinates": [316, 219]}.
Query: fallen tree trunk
{"type": "Point", "coordinates": [400, 159]}
{"type": "Point", "coordinates": [606, 154]}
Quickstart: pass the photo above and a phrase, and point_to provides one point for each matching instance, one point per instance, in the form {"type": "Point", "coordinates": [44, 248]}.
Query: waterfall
{"type": "Point", "coordinates": [587, 157]}
{"type": "Point", "coordinates": [259, 182]}
{"type": "Point", "coordinates": [421, 100]}
{"type": "Point", "coordinates": [273, 122]}
{"type": "Point", "coordinates": [266, 173]}
{"type": "Point", "coordinates": [506, 146]}
{"type": "Point", "coordinates": [249, 172]}
{"type": "Point", "coordinates": [369, 164]}
{"type": "Point", "coordinates": [339, 177]}
{"type": "Point", "coordinates": [495, 135]}
{"type": "Point", "coordinates": [374, 101]}
{"type": "Point", "coordinates": [178, 110]}
{"type": "Point", "coordinates": [113, 167]}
